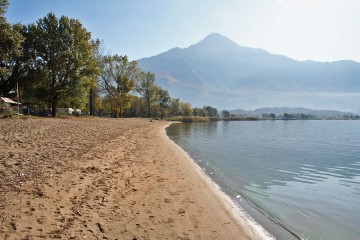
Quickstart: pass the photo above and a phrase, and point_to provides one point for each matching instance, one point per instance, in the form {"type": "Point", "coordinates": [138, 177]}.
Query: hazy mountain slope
{"type": "Point", "coordinates": [219, 72]}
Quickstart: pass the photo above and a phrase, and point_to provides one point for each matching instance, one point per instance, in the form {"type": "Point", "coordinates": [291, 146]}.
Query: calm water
{"type": "Point", "coordinates": [305, 175]}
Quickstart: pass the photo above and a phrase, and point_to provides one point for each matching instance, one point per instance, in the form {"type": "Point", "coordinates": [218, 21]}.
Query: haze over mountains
{"type": "Point", "coordinates": [218, 72]}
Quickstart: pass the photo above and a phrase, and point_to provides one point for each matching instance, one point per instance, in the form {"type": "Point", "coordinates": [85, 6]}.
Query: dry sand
{"type": "Point", "coordinates": [105, 179]}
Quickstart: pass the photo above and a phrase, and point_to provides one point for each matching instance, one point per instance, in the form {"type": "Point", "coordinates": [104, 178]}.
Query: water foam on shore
{"type": "Point", "coordinates": [237, 212]}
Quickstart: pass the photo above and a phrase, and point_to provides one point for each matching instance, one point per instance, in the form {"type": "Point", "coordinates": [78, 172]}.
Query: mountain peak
{"type": "Point", "coordinates": [216, 39]}
{"type": "Point", "coordinates": [216, 36]}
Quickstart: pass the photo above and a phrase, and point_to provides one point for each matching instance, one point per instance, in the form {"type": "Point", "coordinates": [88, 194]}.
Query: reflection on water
{"type": "Point", "coordinates": [305, 174]}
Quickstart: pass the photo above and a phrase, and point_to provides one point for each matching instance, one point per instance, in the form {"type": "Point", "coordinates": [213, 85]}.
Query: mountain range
{"type": "Point", "coordinates": [218, 72]}
{"type": "Point", "coordinates": [282, 110]}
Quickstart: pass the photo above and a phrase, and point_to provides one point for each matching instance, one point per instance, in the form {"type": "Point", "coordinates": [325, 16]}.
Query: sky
{"type": "Point", "coordinates": [320, 30]}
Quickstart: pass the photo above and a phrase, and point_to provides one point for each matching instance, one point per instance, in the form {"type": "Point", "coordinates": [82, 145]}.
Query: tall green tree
{"type": "Point", "coordinates": [10, 51]}
{"type": "Point", "coordinates": [206, 111]}
{"type": "Point", "coordinates": [118, 80]}
{"type": "Point", "coordinates": [137, 109]}
{"type": "Point", "coordinates": [164, 98]}
{"type": "Point", "coordinates": [60, 58]}
{"type": "Point", "coordinates": [175, 107]}
{"type": "Point", "coordinates": [210, 111]}
{"type": "Point", "coordinates": [94, 95]}
{"type": "Point", "coordinates": [225, 113]}
{"type": "Point", "coordinates": [147, 88]}
{"type": "Point", "coordinates": [164, 101]}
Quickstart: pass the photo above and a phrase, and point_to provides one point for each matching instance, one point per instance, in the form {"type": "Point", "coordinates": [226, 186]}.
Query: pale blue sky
{"type": "Point", "coordinates": [324, 30]}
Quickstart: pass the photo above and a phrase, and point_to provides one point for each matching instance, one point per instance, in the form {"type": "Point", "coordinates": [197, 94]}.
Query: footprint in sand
{"type": "Point", "coordinates": [167, 200]}
{"type": "Point", "coordinates": [40, 220]}
{"type": "Point", "coordinates": [181, 211]}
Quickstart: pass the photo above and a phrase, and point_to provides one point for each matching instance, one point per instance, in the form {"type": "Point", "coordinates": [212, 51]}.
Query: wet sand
{"type": "Point", "coordinates": [106, 179]}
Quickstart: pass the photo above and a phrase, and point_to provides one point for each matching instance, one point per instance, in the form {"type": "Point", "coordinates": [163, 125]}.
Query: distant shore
{"type": "Point", "coordinates": [106, 178]}
{"type": "Point", "coordinates": [190, 119]}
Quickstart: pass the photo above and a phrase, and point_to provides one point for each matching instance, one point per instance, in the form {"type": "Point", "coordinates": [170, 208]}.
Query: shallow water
{"type": "Point", "coordinates": [305, 175]}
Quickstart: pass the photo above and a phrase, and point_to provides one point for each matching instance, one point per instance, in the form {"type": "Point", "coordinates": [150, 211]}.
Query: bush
{"type": "Point", "coordinates": [76, 113]}
{"type": "Point", "coordinates": [5, 110]}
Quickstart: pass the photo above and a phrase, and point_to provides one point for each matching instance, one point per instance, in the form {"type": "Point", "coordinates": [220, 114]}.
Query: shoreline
{"type": "Point", "coordinates": [244, 211]}
{"type": "Point", "coordinates": [237, 212]}
{"type": "Point", "coordinates": [106, 178]}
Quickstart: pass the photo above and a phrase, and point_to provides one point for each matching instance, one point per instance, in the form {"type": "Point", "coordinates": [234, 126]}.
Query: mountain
{"type": "Point", "coordinates": [218, 72]}
{"type": "Point", "coordinates": [282, 110]}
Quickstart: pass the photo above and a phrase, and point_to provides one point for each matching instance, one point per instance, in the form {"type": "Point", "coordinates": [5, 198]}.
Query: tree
{"type": "Point", "coordinates": [186, 109]}
{"type": "Point", "coordinates": [197, 111]}
{"type": "Point", "coordinates": [61, 58]}
{"type": "Point", "coordinates": [206, 111]}
{"type": "Point", "coordinates": [175, 107]}
{"type": "Point", "coordinates": [94, 98]}
{"type": "Point", "coordinates": [148, 89]}
{"type": "Point", "coordinates": [264, 115]}
{"type": "Point", "coordinates": [272, 116]}
{"type": "Point", "coordinates": [225, 114]}
{"type": "Point", "coordinates": [164, 101]}
{"type": "Point", "coordinates": [117, 80]}
{"type": "Point", "coordinates": [287, 116]}
{"type": "Point", "coordinates": [211, 112]}
{"type": "Point", "coordinates": [10, 52]}
{"type": "Point", "coordinates": [137, 108]}
{"type": "Point", "coordinates": [303, 116]}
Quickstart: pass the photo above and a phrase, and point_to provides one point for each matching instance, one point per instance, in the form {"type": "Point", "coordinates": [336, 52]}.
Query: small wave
{"type": "Point", "coordinates": [330, 174]}
{"type": "Point", "coordinates": [349, 168]}
{"type": "Point", "coordinates": [345, 185]}
{"type": "Point", "coordinates": [351, 182]}
{"type": "Point", "coordinates": [301, 180]}
{"type": "Point", "coordinates": [284, 171]}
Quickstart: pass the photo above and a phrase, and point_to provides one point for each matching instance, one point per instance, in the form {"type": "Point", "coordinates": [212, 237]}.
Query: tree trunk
{"type": "Point", "coordinates": [54, 96]}
{"type": "Point", "coordinates": [91, 101]}
{"type": "Point", "coordinates": [148, 104]}
{"type": "Point", "coordinates": [53, 107]}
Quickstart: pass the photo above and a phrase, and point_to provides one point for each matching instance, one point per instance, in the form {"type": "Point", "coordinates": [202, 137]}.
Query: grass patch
{"type": "Point", "coordinates": [241, 119]}
{"type": "Point", "coordinates": [188, 119]}
{"type": "Point", "coordinates": [214, 119]}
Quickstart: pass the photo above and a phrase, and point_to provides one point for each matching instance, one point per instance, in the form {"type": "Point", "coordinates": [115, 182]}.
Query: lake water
{"type": "Point", "coordinates": [303, 175]}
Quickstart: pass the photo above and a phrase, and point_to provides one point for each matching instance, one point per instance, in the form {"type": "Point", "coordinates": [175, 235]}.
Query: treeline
{"type": "Point", "coordinates": [226, 115]}
{"type": "Point", "coordinates": [55, 63]}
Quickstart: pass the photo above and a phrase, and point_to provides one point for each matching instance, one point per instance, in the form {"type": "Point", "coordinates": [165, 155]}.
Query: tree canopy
{"type": "Point", "coordinates": [60, 58]}
{"type": "Point", "coordinates": [148, 89]}
{"type": "Point", "coordinates": [118, 79]}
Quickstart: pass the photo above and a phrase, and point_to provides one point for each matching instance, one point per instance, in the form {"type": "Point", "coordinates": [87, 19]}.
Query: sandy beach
{"type": "Point", "coordinates": [105, 179]}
